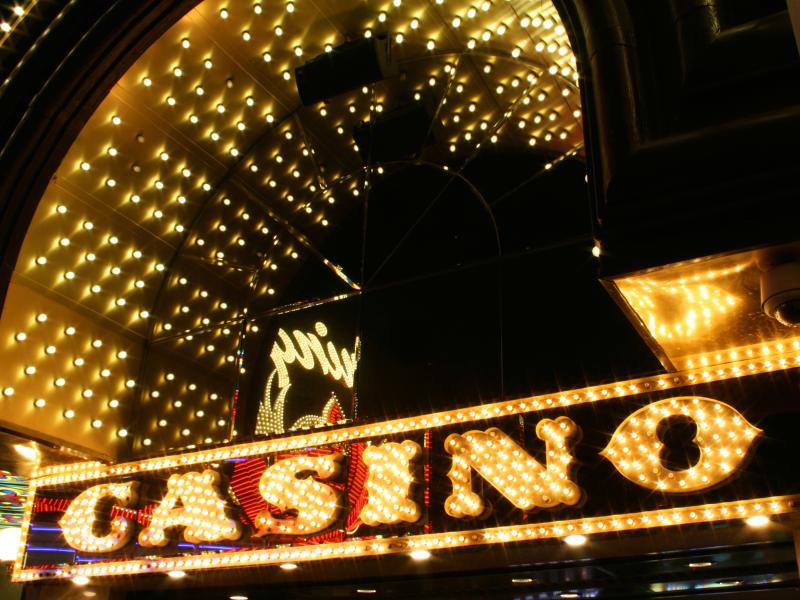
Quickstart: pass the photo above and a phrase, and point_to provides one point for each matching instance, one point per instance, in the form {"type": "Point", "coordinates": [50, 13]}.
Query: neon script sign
{"type": "Point", "coordinates": [491, 474]}
{"type": "Point", "coordinates": [312, 352]}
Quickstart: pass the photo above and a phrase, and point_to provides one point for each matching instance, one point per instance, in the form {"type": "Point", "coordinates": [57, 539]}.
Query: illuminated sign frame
{"type": "Point", "coordinates": [95, 473]}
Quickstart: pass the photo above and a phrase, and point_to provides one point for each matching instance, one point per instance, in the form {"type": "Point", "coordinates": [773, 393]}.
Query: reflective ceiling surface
{"type": "Point", "coordinates": [202, 188]}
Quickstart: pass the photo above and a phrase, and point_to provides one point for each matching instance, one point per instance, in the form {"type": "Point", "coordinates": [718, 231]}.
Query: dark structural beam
{"type": "Point", "coordinates": [346, 67]}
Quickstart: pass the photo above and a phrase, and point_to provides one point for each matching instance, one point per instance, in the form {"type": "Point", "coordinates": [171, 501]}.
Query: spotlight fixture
{"type": "Point", "coordinates": [176, 574]}
{"type": "Point", "coordinates": [288, 566]}
{"type": "Point", "coordinates": [420, 554]}
{"type": "Point", "coordinates": [757, 521]}
{"type": "Point", "coordinates": [780, 293]}
{"type": "Point", "coordinates": [27, 452]}
{"type": "Point", "coordinates": [575, 540]}
{"type": "Point", "coordinates": [9, 543]}
{"type": "Point", "coordinates": [701, 564]}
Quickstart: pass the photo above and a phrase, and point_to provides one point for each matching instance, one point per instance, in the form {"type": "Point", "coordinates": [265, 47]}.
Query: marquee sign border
{"type": "Point", "coordinates": [706, 513]}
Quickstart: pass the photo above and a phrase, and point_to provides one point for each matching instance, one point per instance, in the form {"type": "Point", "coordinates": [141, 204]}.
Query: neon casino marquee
{"type": "Point", "coordinates": [686, 448]}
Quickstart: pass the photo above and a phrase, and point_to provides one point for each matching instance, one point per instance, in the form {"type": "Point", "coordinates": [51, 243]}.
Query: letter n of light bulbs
{"type": "Point", "coordinates": [524, 481]}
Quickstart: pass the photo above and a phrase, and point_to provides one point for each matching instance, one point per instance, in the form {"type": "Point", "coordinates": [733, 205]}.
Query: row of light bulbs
{"type": "Point", "coordinates": [763, 350]}
{"type": "Point", "coordinates": [548, 23]}
{"type": "Point", "coordinates": [238, 123]}
{"type": "Point", "coordinates": [471, 12]}
{"type": "Point", "coordinates": [60, 474]}
{"type": "Point", "coordinates": [755, 511]}
{"type": "Point", "coordinates": [50, 349]}
{"type": "Point", "coordinates": [19, 13]}
{"type": "Point", "coordinates": [137, 283]}
{"type": "Point", "coordinates": [59, 382]}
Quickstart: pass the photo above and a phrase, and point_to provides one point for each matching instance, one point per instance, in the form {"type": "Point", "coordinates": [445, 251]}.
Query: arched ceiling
{"type": "Point", "coordinates": [186, 206]}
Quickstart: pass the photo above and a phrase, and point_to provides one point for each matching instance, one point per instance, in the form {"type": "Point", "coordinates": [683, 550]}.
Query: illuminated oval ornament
{"type": "Point", "coordinates": [723, 438]}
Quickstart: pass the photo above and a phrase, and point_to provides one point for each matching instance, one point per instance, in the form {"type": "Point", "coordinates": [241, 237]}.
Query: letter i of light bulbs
{"type": "Point", "coordinates": [389, 483]}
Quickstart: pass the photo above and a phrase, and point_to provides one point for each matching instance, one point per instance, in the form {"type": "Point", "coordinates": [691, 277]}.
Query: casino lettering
{"type": "Point", "coordinates": [300, 487]}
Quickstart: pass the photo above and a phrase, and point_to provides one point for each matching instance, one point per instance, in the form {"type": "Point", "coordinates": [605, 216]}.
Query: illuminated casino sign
{"type": "Point", "coordinates": [658, 452]}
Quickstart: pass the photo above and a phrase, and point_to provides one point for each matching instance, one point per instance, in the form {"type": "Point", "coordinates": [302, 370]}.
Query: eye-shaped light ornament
{"type": "Point", "coordinates": [723, 438]}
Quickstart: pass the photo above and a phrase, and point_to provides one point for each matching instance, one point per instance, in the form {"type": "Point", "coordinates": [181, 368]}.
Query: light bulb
{"type": "Point", "coordinates": [757, 521]}
{"type": "Point", "coordinates": [575, 540]}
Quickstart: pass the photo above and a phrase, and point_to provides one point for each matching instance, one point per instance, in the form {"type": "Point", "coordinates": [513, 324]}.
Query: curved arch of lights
{"type": "Point", "coordinates": [146, 229]}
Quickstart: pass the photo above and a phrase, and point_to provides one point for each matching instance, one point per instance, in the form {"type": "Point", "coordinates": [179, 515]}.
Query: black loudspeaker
{"type": "Point", "coordinates": [346, 67]}
{"type": "Point", "coordinates": [396, 135]}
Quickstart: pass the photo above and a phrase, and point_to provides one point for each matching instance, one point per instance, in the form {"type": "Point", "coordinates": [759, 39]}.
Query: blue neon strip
{"type": "Point", "coordinates": [181, 545]}
{"type": "Point", "coordinates": [206, 547]}
{"type": "Point", "coordinates": [45, 528]}
{"type": "Point", "coordinates": [48, 549]}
